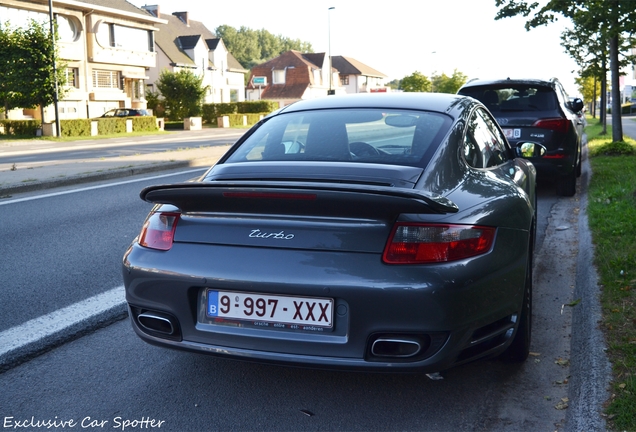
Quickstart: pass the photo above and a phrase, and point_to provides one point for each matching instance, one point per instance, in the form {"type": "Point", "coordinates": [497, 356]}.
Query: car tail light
{"type": "Point", "coordinates": [556, 124]}
{"type": "Point", "coordinates": [158, 231]}
{"type": "Point", "coordinates": [433, 243]}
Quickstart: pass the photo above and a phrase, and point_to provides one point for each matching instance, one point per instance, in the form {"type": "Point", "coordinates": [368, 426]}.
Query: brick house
{"type": "Point", "coordinates": [290, 77]}
{"type": "Point", "coordinates": [293, 76]}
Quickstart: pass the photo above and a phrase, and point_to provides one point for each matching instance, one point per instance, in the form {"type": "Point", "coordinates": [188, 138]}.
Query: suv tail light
{"type": "Point", "coordinates": [433, 243]}
{"type": "Point", "coordinates": [158, 231]}
{"type": "Point", "coordinates": [556, 124]}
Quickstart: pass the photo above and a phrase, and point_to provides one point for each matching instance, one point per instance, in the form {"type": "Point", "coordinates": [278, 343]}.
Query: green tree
{"type": "Point", "coordinates": [27, 59]}
{"type": "Point", "coordinates": [251, 47]}
{"type": "Point", "coordinates": [589, 88]}
{"type": "Point", "coordinates": [612, 22]}
{"type": "Point", "coordinates": [445, 84]}
{"type": "Point", "coordinates": [395, 84]}
{"type": "Point", "coordinates": [416, 82]}
{"type": "Point", "coordinates": [183, 93]}
{"type": "Point", "coordinates": [155, 102]}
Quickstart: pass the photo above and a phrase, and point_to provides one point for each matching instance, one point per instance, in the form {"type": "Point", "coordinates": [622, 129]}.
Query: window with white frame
{"type": "Point", "coordinates": [278, 76]}
{"type": "Point", "coordinates": [72, 77]}
{"type": "Point", "coordinates": [105, 79]}
{"type": "Point", "coordinates": [117, 36]}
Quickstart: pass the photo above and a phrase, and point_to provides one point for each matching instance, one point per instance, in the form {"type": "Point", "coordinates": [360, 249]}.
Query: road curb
{"type": "Point", "coordinates": [24, 353]}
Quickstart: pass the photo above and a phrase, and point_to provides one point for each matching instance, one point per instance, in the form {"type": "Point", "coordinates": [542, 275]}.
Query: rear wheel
{"type": "Point", "coordinates": [519, 349]}
{"type": "Point", "coordinates": [566, 185]}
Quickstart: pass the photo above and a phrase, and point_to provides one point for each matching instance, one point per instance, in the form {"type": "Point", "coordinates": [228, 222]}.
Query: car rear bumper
{"type": "Point", "coordinates": [456, 312]}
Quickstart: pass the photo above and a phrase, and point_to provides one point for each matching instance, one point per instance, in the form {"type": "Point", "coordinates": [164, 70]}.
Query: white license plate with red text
{"type": "Point", "coordinates": [303, 311]}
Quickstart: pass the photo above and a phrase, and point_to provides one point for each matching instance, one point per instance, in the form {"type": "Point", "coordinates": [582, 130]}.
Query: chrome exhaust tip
{"type": "Point", "coordinates": [396, 348]}
{"type": "Point", "coordinates": [155, 323]}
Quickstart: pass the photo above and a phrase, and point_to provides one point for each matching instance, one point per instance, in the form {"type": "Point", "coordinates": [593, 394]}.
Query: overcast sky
{"type": "Point", "coordinates": [398, 37]}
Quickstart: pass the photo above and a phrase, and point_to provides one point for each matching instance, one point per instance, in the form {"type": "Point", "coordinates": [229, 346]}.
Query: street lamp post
{"type": "Point", "coordinates": [58, 132]}
{"type": "Point", "coordinates": [331, 91]}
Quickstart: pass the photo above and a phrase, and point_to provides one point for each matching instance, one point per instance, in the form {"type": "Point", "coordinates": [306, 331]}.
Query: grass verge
{"type": "Point", "coordinates": [612, 220]}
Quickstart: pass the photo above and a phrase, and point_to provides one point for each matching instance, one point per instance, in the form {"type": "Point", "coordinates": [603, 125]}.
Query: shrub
{"type": "Point", "coordinates": [111, 126]}
{"type": "Point", "coordinates": [144, 124]}
{"type": "Point", "coordinates": [19, 127]}
{"type": "Point", "coordinates": [261, 106]}
{"type": "Point", "coordinates": [75, 128]}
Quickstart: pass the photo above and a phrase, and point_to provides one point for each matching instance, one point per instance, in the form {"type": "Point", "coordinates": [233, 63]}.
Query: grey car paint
{"type": "Point", "coordinates": [331, 247]}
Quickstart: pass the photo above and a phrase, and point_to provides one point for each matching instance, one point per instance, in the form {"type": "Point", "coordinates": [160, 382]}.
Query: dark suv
{"type": "Point", "coordinates": [539, 111]}
{"type": "Point", "coordinates": [126, 112]}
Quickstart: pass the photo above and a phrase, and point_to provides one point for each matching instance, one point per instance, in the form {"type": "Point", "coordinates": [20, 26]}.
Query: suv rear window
{"type": "Point", "coordinates": [386, 136]}
{"type": "Point", "coordinates": [513, 97]}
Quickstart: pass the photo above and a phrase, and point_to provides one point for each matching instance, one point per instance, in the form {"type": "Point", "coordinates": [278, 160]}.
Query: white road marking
{"type": "Point", "coordinates": [47, 325]}
{"type": "Point", "coordinates": [14, 201]}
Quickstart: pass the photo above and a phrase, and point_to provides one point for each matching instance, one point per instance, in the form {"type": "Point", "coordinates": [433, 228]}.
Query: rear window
{"type": "Point", "coordinates": [513, 97]}
{"type": "Point", "coordinates": [398, 137]}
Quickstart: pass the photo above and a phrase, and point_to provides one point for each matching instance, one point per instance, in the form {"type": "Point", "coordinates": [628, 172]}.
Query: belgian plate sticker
{"type": "Point", "coordinates": [512, 133]}
{"type": "Point", "coordinates": [213, 301]}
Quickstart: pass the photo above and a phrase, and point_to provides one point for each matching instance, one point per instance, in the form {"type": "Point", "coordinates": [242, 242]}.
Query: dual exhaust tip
{"type": "Point", "coordinates": [383, 347]}
{"type": "Point", "coordinates": [401, 348]}
{"type": "Point", "coordinates": [159, 324]}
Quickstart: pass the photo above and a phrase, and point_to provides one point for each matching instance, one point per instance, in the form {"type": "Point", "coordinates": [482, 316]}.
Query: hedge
{"type": "Point", "coordinates": [19, 127]}
{"type": "Point", "coordinates": [80, 127]}
{"type": "Point", "coordinates": [76, 127]}
{"type": "Point", "coordinates": [111, 126]}
{"type": "Point", "coordinates": [145, 124]}
{"type": "Point", "coordinates": [212, 111]}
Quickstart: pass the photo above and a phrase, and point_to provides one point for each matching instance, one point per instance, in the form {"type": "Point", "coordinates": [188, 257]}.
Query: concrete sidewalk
{"type": "Point", "coordinates": [15, 179]}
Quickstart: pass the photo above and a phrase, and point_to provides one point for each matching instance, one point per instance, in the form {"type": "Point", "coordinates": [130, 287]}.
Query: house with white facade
{"type": "Point", "coordinates": [106, 47]}
{"type": "Point", "coordinates": [183, 43]}
{"type": "Point", "coordinates": [356, 77]}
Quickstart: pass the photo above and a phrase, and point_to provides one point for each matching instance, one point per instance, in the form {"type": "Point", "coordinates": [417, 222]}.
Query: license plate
{"type": "Point", "coordinates": [301, 311]}
{"type": "Point", "coordinates": [512, 133]}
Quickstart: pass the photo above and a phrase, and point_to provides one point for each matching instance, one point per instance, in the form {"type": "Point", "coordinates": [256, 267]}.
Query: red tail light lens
{"type": "Point", "coordinates": [556, 124]}
{"type": "Point", "coordinates": [158, 231]}
{"type": "Point", "coordinates": [428, 243]}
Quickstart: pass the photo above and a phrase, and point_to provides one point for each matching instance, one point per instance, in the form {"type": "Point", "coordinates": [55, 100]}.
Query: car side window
{"type": "Point", "coordinates": [484, 145]}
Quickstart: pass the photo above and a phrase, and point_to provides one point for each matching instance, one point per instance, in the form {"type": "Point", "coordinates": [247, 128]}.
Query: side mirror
{"type": "Point", "coordinates": [530, 149]}
{"type": "Point", "coordinates": [576, 104]}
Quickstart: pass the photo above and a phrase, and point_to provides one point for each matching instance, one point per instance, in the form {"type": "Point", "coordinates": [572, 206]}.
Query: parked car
{"type": "Point", "coordinates": [125, 112]}
{"type": "Point", "coordinates": [386, 232]}
{"type": "Point", "coordinates": [539, 111]}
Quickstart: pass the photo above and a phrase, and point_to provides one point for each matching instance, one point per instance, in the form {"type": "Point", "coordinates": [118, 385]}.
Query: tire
{"type": "Point", "coordinates": [519, 349]}
{"type": "Point", "coordinates": [566, 185]}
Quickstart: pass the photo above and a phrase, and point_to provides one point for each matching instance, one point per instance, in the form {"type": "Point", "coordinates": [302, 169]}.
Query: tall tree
{"type": "Point", "coordinates": [611, 20]}
{"type": "Point", "coordinates": [27, 78]}
{"type": "Point", "coordinates": [416, 82]}
{"type": "Point", "coordinates": [183, 93]}
{"type": "Point", "coordinates": [445, 84]}
{"type": "Point", "coordinates": [251, 47]}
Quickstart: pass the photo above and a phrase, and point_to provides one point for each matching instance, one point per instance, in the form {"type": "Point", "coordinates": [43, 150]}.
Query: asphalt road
{"type": "Point", "coordinates": [68, 247]}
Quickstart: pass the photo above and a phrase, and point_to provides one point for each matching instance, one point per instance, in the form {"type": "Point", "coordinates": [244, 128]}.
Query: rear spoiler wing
{"type": "Point", "coordinates": [345, 199]}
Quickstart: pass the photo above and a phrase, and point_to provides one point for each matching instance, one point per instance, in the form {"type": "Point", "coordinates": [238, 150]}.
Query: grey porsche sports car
{"type": "Point", "coordinates": [380, 232]}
